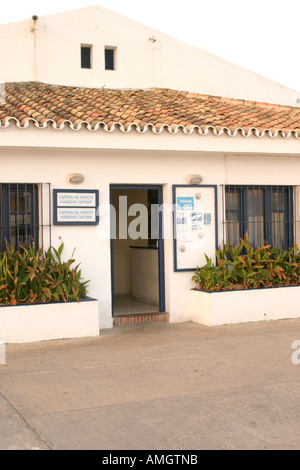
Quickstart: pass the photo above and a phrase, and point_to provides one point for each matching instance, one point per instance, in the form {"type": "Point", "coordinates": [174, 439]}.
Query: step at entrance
{"type": "Point", "coordinates": [141, 319]}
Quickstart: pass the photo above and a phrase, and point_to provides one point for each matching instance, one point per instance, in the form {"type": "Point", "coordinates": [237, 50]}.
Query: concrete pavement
{"type": "Point", "coordinates": [157, 387]}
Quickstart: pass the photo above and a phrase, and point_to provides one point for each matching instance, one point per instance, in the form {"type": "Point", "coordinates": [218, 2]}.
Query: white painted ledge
{"type": "Point", "coordinates": [43, 322]}
{"type": "Point", "coordinates": [244, 306]}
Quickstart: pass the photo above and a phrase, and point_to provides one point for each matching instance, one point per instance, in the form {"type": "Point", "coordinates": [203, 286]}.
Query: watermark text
{"type": "Point", "coordinates": [296, 354]}
{"type": "Point", "coordinates": [2, 353]}
{"type": "Point", "coordinates": [2, 93]}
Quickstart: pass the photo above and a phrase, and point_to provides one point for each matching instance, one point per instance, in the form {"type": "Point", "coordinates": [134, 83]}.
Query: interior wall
{"type": "Point", "coordinates": [121, 248]}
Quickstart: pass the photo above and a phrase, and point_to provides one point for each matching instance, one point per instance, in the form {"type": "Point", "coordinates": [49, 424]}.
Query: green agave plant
{"type": "Point", "coordinates": [243, 267]}
{"type": "Point", "coordinates": [30, 276]}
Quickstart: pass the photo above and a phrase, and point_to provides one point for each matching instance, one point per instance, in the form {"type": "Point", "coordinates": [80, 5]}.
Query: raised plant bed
{"type": "Point", "coordinates": [49, 321]}
{"type": "Point", "coordinates": [42, 297]}
{"type": "Point", "coordinates": [244, 306]}
{"type": "Point", "coordinates": [247, 285]}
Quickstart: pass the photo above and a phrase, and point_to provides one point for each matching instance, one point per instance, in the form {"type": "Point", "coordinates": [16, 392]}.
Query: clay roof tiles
{"type": "Point", "coordinates": [155, 110]}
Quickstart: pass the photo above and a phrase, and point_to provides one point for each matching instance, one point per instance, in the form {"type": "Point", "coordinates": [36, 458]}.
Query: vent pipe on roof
{"type": "Point", "coordinates": [34, 21]}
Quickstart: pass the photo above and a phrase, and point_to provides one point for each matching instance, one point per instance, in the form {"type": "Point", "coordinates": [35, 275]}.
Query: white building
{"type": "Point", "coordinates": [112, 115]}
{"type": "Point", "coordinates": [48, 50]}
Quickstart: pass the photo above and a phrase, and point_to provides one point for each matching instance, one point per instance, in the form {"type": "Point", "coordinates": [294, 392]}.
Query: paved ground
{"type": "Point", "coordinates": [159, 387]}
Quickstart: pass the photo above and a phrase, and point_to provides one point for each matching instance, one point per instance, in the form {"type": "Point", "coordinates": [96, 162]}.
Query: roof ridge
{"type": "Point", "coordinates": [244, 102]}
{"type": "Point", "coordinates": [188, 94]}
{"type": "Point", "coordinates": [232, 100]}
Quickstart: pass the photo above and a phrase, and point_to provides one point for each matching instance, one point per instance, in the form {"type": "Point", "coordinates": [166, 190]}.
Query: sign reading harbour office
{"type": "Point", "coordinates": [77, 207]}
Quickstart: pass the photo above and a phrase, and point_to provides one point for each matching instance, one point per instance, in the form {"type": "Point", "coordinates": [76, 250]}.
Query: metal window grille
{"type": "Point", "coordinates": [25, 214]}
{"type": "Point", "coordinates": [266, 213]}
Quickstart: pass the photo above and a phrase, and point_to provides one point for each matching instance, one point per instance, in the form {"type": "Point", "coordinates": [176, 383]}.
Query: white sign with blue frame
{"type": "Point", "coordinates": [75, 207]}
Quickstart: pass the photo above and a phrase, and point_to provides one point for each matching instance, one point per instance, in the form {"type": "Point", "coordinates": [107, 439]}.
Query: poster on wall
{"type": "Point", "coordinates": [75, 207]}
{"type": "Point", "coordinates": [195, 225]}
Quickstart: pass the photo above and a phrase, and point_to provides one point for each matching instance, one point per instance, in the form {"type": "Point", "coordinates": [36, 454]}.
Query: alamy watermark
{"type": "Point", "coordinates": [2, 353]}
{"type": "Point", "coordinates": [296, 354]}
{"type": "Point", "coordinates": [139, 221]}
{"type": "Point", "coordinates": [2, 93]}
{"type": "Point", "coordinates": [133, 221]}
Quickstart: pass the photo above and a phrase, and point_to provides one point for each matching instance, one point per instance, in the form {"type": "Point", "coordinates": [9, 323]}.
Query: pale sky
{"type": "Point", "coordinates": [259, 35]}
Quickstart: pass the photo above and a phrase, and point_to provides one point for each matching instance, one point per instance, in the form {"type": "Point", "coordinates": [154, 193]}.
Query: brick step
{"type": "Point", "coordinates": [141, 319]}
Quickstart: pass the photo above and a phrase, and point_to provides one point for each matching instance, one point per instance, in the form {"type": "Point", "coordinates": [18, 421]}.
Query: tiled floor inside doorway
{"type": "Point", "coordinates": [125, 305]}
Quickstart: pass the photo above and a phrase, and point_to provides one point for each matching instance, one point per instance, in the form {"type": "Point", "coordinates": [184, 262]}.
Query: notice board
{"type": "Point", "coordinates": [195, 225]}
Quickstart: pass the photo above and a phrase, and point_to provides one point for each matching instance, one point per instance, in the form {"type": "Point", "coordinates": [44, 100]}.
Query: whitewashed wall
{"type": "Point", "coordinates": [51, 54]}
{"type": "Point", "coordinates": [104, 167]}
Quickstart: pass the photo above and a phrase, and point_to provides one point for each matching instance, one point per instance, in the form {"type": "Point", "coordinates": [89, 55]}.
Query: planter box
{"type": "Point", "coordinates": [244, 306]}
{"type": "Point", "coordinates": [41, 322]}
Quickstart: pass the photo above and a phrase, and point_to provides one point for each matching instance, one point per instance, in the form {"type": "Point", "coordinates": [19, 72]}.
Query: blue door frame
{"type": "Point", "coordinates": [161, 250]}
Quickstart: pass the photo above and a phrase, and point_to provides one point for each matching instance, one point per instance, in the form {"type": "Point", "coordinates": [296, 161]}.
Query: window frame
{"type": "Point", "coordinates": [90, 48]}
{"type": "Point", "coordinates": [6, 190]}
{"type": "Point", "coordinates": [112, 49]}
{"type": "Point", "coordinates": [269, 210]}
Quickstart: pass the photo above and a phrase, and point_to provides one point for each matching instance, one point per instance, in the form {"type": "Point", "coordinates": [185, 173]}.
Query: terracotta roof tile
{"type": "Point", "coordinates": [157, 110]}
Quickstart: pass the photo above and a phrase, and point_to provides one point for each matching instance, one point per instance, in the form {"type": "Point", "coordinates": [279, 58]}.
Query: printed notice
{"type": "Point", "coordinates": [196, 221]}
{"type": "Point", "coordinates": [185, 203]}
{"type": "Point", "coordinates": [207, 219]}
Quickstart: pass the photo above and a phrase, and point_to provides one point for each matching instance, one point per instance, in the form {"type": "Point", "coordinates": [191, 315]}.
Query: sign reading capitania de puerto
{"type": "Point", "coordinates": [75, 207]}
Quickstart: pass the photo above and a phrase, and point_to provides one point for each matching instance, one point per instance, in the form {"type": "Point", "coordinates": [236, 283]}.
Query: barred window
{"type": "Point", "coordinates": [265, 212]}
{"type": "Point", "coordinates": [25, 214]}
{"type": "Point", "coordinates": [19, 216]}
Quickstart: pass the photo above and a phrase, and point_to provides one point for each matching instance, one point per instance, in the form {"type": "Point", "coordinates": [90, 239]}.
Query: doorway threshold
{"type": "Point", "coordinates": [140, 319]}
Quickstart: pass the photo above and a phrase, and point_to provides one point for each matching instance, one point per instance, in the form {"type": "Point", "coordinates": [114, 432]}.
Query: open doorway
{"type": "Point", "coordinates": [137, 250]}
